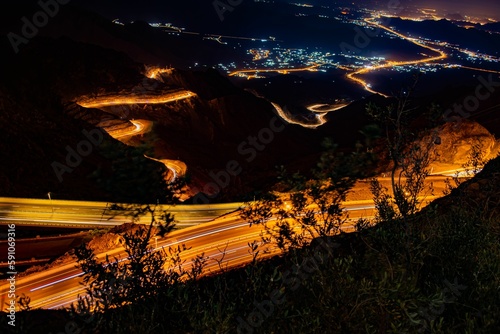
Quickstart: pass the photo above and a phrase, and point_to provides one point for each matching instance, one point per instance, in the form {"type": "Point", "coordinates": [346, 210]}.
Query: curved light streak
{"type": "Point", "coordinates": [285, 115]}
{"type": "Point", "coordinates": [115, 100]}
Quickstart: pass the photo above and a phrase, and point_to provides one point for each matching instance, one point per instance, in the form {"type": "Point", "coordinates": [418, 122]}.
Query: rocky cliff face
{"type": "Point", "coordinates": [458, 139]}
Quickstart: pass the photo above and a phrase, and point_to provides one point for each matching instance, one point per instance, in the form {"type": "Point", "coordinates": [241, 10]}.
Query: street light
{"type": "Point", "coordinates": [50, 198]}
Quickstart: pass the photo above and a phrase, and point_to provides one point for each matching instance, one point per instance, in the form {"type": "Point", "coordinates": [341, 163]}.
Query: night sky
{"type": "Point", "coordinates": [186, 11]}
{"type": "Point", "coordinates": [487, 8]}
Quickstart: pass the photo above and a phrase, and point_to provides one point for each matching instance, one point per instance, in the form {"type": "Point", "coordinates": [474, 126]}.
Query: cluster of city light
{"type": "Point", "coordinates": [117, 21]}
{"type": "Point", "coordinates": [166, 26]}
{"type": "Point", "coordinates": [285, 60]}
{"type": "Point", "coordinates": [251, 73]}
{"type": "Point", "coordinates": [259, 54]}
{"type": "Point", "coordinates": [474, 56]}
{"type": "Point", "coordinates": [302, 5]}
{"type": "Point", "coordinates": [279, 60]}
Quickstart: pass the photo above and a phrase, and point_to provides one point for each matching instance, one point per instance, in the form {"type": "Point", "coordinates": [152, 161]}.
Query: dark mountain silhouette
{"type": "Point", "coordinates": [444, 30]}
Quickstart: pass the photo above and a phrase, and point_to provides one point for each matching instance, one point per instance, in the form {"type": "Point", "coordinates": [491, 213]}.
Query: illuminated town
{"type": "Point", "coordinates": [250, 166]}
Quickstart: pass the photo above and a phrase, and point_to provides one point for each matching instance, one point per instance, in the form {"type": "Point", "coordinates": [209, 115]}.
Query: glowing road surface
{"type": "Point", "coordinates": [89, 215]}
{"type": "Point", "coordinates": [115, 100]}
{"type": "Point", "coordinates": [226, 236]}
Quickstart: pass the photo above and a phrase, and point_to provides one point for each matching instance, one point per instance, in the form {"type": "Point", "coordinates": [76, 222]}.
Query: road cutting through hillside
{"type": "Point", "coordinates": [116, 100]}
{"type": "Point", "coordinates": [177, 168]}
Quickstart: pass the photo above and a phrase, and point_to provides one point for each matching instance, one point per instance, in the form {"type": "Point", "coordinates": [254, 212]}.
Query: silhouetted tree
{"type": "Point", "coordinates": [309, 207]}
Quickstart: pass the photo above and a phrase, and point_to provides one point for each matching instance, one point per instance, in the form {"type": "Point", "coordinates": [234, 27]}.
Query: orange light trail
{"type": "Point", "coordinates": [114, 100]}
